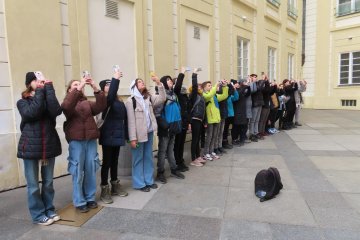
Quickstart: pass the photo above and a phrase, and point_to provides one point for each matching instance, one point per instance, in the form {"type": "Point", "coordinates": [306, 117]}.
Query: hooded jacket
{"type": "Point", "coordinates": [197, 101]}
{"type": "Point", "coordinates": [212, 100]}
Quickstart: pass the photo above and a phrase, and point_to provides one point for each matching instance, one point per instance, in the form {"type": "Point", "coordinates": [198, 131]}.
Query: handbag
{"type": "Point", "coordinates": [99, 120]}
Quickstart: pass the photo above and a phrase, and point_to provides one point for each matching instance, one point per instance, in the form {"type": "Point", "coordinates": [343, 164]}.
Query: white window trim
{"type": "Point", "coordinates": [352, 7]}
{"type": "Point", "coordinates": [291, 65]}
{"type": "Point", "coordinates": [272, 74]}
{"type": "Point", "coordinates": [350, 77]}
{"type": "Point", "coordinates": [242, 41]}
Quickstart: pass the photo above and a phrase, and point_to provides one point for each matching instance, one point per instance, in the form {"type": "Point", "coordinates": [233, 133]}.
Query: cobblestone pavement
{"type": "Point", "coordinates": [319, 163]}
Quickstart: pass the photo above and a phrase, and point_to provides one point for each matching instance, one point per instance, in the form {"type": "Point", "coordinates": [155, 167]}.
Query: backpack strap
{"type": "Point", "coordinates": [133, 102]}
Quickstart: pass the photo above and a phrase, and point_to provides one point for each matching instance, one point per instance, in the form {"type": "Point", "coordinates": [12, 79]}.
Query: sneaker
{"type": "Point", "coordinates": [182, 167]}
{"type": "Point", "coordinates": [82, 209]}
{"type": "Point", "coordinates": [217, 151]}
{"type": "Point", "coordinates": [45, 221]}
{"type": "Point", "coordinates": [222, 150]}
{"type": "Point", "coordinates": [214, 155]}
{"type": "Point", "coordinates": [240, 144]}
{"type": "Point", "coordinates": [144, 189]}
{"type": "Point", "coordinates": [235, 142]}
{"type": "Point", "coordinates": [92, 204]}
{"type": "Point", "coordinates": [54, 217]}
{"type": "Point", "coordinates": [208, 157]}
{"type": "Point", "coordinates": [253, 138]}
{"type": "Point", "coordinates": [177, 174]}
{"type": "Point", "coordinates": [116, 189]}
{"type": "Point", "coordinates": [247, 140]}
{"type": "Point", "coordinates": [259, 136]}
{"type": "Point", "coordinates": [298, 124]}
{"type": "Point", "coordinates": [226, 145]}
{"type": "Point", "coordinates": [201, 160]}
{"type": "Point", "coordinates": [161, 178]}
{"type": "Point", "coordinates": [152, 186]}
{"type": "Point", "coordinates": [196, 163]}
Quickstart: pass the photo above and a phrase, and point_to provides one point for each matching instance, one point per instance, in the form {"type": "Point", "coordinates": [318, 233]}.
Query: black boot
{"type": "Point", "coordinates": [161, 177]}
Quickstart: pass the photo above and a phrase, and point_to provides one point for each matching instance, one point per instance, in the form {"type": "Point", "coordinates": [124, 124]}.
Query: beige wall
{"type": "Point", "coordinates": [62, 38]}
{"type": "Point", "coordinates": [328, 35]}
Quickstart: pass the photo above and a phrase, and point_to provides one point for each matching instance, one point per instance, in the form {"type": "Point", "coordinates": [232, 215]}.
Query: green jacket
{"type": "Point", "coordinates": [213, 111]}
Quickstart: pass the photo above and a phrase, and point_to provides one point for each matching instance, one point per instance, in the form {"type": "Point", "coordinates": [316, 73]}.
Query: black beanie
{"type": "Point", "coordinates": [233, 81]}
{"type": "Point", "coordinates": [163, 80]}
{"type": "Point", "coordinates": [103, 83]}
{"type": "Point", "coordinates": [30, 76]}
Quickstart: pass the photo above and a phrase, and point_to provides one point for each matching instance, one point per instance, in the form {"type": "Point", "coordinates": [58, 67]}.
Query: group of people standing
{"type": "Point", "coordinates": [205, 110]}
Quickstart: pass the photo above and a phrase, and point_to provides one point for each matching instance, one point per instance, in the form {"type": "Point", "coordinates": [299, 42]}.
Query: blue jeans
{"type": "Point", "coordinates": [40, 203]}
{"type": "Point", "coordinates": [83, 164]}
{"type": "Point", "coordinates": [142, 163]}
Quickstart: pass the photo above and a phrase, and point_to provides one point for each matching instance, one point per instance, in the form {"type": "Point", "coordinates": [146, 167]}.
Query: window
{"type": "Point", "coordinates": [350, 68]}
{"type": "Point", "coordinates": [291, 66]}
{"type": "Point", "coordinates": [292, 10]}
{"type": "Point", "coordinates": [243, 57]}
{"type": "Point", "coordinates": [347, 7]}
{"type": "Point", "coordinates": [276, 3]}
{"type": "Point", "coordinates": [272, 63]}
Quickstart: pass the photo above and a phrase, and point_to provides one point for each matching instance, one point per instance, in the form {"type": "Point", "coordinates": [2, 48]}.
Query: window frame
{"type": "Point", "coordinates": [291, 65]}
{"type": "Point", "coordinates": [353, 8]}
{"type": "Point", "coordinates": [240, 58]}
{"type": "Point", "coordinates": [272, 72]}
{"type": "Point", "coordinates": [350, 69]}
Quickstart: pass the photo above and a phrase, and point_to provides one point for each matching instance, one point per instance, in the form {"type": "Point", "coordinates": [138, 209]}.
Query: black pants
{"type": "Point", "coordinates": [202, 137]}
{"type": "Point", "coordinates": [110, 161]}
{"type": "Point", "coordinates": [228, 121]}
{"type": "Point", "coordinates": [196, 128]}
{"type": "Point", "coordinates": [289, 116]}
{"type": "Point", "coordinates": [280, 117]}
{"type": "Point", "coordinates": [243, 129]}
{"type": "Point", "coordinates": [272, 117]}
{"type": "Point", "coordinates": [179, 147]}
{"type": "Point", "coordinates": [239, 132]}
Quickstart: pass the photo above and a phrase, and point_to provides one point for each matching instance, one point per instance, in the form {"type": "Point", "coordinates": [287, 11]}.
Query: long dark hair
{"type": "Point", "coordinates": [27, 92]}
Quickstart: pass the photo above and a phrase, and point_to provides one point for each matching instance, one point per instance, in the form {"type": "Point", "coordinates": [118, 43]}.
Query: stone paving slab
{"type": "Point", "coordinates": [189, 199]}
{"type": "Point", "coordinates": [255, 161]}
{"type": "Point", "coordinates": [287, 208]}
{"type": "Point", "coordinates": [336, 163]}
{"type": "Point", "coordinates": [344, 181]}
{"type": "Point", "coordinates": [204, 175]}
{"type": "Point", "coordinates": [336, 234]}
{"type": "Point", "coordinates": [353, 199]}
{"type": "Point", "coordinates": [327, 146]}
{"type": "Point", "coordinates": [325, 200]}
{"type": "Point", "coordinates": [291, 232]}
{"type": "Point", "coordinates": [322, 125]}
{"type": "Point", "coordinates": [234, 229]}
{"type": "Point", "coordinates": [11, 228]}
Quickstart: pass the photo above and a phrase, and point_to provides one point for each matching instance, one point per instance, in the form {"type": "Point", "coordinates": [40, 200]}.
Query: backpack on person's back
{"type": "Point", "coordinates": [267, 184]}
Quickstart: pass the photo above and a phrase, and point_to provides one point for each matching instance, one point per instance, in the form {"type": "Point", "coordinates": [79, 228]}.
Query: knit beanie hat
{"type": "Point", "coordinates": [163, 80]}
{"type": "Point", "coordinates": [103, 83]}
{"type": "Point", "coordinates": [30, 76]}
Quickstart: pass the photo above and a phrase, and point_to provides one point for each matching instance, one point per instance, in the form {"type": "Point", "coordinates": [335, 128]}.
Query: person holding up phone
{"type": "Point", "coordinates": [141, 127]}
{"type": "Point", "coordinates": [39, 144]}
{"type": "Point", "coordinates": [81, 132]}
{"type": "Point", "coordinates": [113, 133]}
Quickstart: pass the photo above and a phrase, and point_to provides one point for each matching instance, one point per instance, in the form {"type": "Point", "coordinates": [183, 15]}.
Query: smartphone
{"type": "Point", "coordinates": [187, 69]}
{"type": "Point", "coordinates": [152, 74]}
{"type": "Point", "coordinates": [199, 69]}
{"type": "Point", "coordinates": [86, 74]}
{"type": "Point", "coordinates": [116, 68]}
{"type": "Point", "coordinates": [39, 75]}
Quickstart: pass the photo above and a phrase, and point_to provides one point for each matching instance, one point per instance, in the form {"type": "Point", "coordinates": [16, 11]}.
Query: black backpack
{"type": "Point", "coordinates": [267, 184]}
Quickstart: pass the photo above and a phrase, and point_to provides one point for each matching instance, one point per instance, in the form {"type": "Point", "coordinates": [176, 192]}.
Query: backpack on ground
{"type": "Point", "coordinates": [172, 114]}
{"type": "Point", "coordinates": [267, 184]}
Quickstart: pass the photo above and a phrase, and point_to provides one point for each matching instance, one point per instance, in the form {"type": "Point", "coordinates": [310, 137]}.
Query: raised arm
{"type": "Point", "coordinates": [112, 94]}
{"type": "Point", "coordinates": [209, 95]}
{"type": "Point", "coordinates": [194, 91]}
{"type": "Point", "coordinates": [224, 95]}
{"type": "Point", "coordinates": [52, 104]}
{"type": "Point", "coordinates": [100, 104]}
{"type": "Point", "coordinates": [179, 82]}
{"type": "Point", "coordinates": [70, 101]}
{"type": "Point", "coordinates": [32, 111]}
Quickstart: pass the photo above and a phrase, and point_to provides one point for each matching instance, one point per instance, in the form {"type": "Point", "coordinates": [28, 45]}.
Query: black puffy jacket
{"type": "Point", "coordinates": [197, 102]}
{"type": "Point", "coordinates": [240, 105]}
{"type": "Point", "coordinates": [39, 138]}
{"type": "Point", "coordinates": [114, 130]}
{"type": "Point", "coordinates": [257, 97]}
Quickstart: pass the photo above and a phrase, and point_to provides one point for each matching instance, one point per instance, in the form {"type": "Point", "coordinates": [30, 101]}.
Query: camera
{"type": "Point", "coordinates": [39, 75]}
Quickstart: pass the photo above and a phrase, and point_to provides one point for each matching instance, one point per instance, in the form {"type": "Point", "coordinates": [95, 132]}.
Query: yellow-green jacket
{"type": "Point", "coordinates": [212, 105]}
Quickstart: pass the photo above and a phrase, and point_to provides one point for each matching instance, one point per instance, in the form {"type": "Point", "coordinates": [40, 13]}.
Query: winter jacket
{"type": "Point", "coordinates": [289, 91]}
{"type": "Point", "coordinates": [212, 104]}
{"type": "Point", "coordinates": [240, 106]}
{"type": "Point", "coordinates": [171, 94]}
{"type": "Point", "coordinates": [253, 89]}
{"type": "Point", "coordinates": [197, 101]}
{"type": "Point", "coordinates": [39, 138]}
{"type": "Point", "coordinates": [267, 92]}
{"type": "Point", "coordinates": [79, 112]}
{"type": "Point", "coordinates": [223, 103]}
{"type": "Point", "coordinates": [113, 132]}
{"type": "Point", "coordinates": [137, 127]}
{"type": "Point", "coordinates": [230, 106]}
{"type": "Point", "coordinates": [257, 97]}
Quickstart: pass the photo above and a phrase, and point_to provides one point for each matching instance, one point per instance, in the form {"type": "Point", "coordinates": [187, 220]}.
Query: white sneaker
{"type": "Point", "coordinates": [207, 157]}
{"type": "Point", "coordinates": [214, 155]}
{"type": "Point", "coordinates": [46, 221]}
{"type": "Point", "coordinates": [55, 217]}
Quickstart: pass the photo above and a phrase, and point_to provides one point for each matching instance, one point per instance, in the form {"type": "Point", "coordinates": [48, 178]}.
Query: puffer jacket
{"type": "Point", "coordinates": [79, 112]}
{"type": "Point", "coordinates": [257, 97]}
{"type": "Point", "coordinates": [114, 130]}
{"type": "Point", "coordinates": [212, 107]}
{"type": "Point", "coordinates": [223, 104]}
{"type": "Point", "coordinates": [232, 98]}
{"type": "Point", "coordinates": [39, 138]}
{"type": "Point", "coordinates": [240, 106]}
